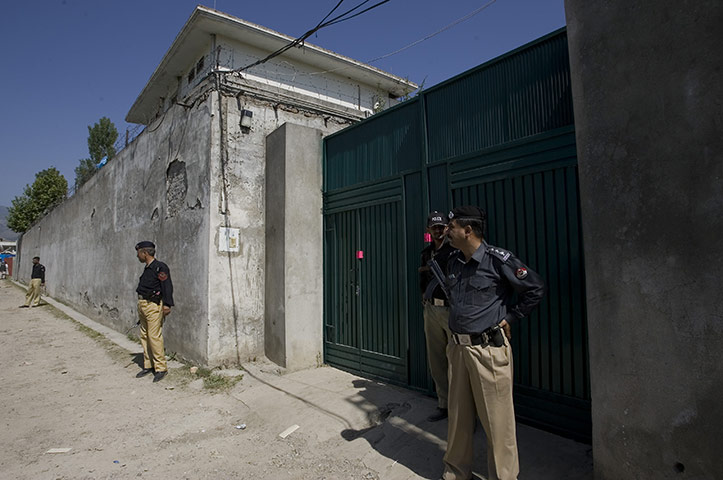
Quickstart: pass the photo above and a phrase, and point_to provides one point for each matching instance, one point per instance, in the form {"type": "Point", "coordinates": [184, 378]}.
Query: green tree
{"type": "Point", "coordinates": [84, 171]}
{"type": "Point", "coordinates": [48, 190]}
{"type": "Point", "coordinates": [101, 138]}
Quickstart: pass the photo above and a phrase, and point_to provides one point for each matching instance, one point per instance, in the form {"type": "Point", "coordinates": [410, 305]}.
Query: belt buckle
{"type": "Point", "coordinates": [438, 302]}
{"type": "Point", "coordinates": [462, 339]}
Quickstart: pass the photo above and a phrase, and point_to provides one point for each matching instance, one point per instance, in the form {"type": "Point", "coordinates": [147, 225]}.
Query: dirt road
{"type": "Point", "coordinates": [64, 387]}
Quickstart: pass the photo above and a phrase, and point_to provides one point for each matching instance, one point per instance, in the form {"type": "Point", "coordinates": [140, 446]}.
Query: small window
{"type": "Point", "coordinates": [191, 75]}
{"type": "Point", "coordinates": [199, 65]}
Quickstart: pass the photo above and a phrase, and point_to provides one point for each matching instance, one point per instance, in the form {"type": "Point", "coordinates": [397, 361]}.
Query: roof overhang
{"type": "Point", "coordinates": [195, 36]}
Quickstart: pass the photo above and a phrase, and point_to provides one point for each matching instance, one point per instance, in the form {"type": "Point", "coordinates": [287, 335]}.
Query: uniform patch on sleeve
{"type": "Point", "coordinates": [521, 273]}
{"type": "Point", "coordinates": [162, 276]}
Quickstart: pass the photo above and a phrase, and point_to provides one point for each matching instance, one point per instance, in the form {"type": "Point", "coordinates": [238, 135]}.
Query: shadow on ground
{"type": "Point", "coordinates": [400, 432]}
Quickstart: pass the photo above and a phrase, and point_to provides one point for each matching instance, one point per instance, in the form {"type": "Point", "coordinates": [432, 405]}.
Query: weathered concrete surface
{"type": "Point", "coordinates": [155, 189]}
{"type": "Point", "coordinates": [63, 389]}
{"type": "Point", "coordinates": [294, 247]}
{"type": "Point", "coordinates": [648, 93]}
{"type": "Point", "coordinates": [238, 198]}
{"type": "Point", "coordinates": [193, 171]}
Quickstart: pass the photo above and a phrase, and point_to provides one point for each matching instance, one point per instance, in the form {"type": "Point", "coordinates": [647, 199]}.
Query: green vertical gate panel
{"type": "Point", "coordinates": [364, 265]}
{"type": "Point", "coordinates": [522, 93]}
{"type": "Point", "coordinates": [384, 145]}
{"type": "Point", "coordinates": [383, 292]}
{"type": "Point", "coordinates": [438, 188]}
{"type": "Point", "coordinates": [340, 297]}
{"type": "Point", "coordinates": [415, 218]}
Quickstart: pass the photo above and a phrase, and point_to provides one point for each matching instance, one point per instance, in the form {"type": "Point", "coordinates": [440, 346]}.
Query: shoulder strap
{"type": "Point", "coordinates": [500, 254]}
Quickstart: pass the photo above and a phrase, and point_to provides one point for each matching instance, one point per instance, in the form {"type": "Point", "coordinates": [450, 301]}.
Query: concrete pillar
{"type": "Point", "coordinates": [647, 82]}
{"type": "Point", "coordinates": [294, 247]}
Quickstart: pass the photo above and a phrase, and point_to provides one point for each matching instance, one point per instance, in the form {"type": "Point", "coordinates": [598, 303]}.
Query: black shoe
{"type": "Point", "coordinates": [439, 414]}
{"type": "Point", "coordinates": [158, 376]}
{"type": "Point", "coordinates": [144, 372]}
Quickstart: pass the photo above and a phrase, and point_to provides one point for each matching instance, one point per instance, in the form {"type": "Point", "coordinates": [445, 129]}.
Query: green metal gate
{"type": "Point", "coordinates": [500, 136]}
{"type": "Point", "coordinates": [365, 324]}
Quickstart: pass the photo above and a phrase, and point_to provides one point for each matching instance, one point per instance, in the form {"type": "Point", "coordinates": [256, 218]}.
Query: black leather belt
{"type": "Point", "coordinates": [149, 298]}
{"type": "Point", "coordinates": [491, 336]}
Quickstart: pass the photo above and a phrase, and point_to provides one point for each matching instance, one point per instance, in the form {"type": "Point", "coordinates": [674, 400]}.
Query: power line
{"type": "Point", "coordinates": [443, 29]}
{"type": "Point", "coordinates": [456, 22]}
{"type": "Point", "coordinates": [328, 14]}
{"type": "Point", "coordinates": [338, 19]}
{"type": "Point", "coordinates": [334, 21]}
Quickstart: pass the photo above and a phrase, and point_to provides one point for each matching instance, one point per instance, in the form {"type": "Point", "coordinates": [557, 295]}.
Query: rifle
{"type": "Point", "coordinates": [438, 275]}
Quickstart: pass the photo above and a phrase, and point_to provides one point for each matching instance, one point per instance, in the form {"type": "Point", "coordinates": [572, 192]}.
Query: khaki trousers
{"type": "Point", "coordinates": [481, 382]}
{"type": "Point", "coordinates": [32, 296]}
{"type": "Point", "coordinates": [151, 318]}
{"type": "Point", "coordinates": [436, 331]}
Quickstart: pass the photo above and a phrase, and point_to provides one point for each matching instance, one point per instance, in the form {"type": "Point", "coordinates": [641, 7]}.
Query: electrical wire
{"type": "Point", "coordinates": [427, 37]}
{"type": "Point", "coordinates": [456, 22]}
{"type": "Point", "coordinates": [329, 14]}
{"type": "Point", "coordinates": [332, 22]}
{"type": "Point", "coordinates": [300, 40]}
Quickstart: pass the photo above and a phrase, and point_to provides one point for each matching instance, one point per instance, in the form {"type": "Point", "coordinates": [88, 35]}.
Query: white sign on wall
{"type": "Point", "coordinates": [228, 239]}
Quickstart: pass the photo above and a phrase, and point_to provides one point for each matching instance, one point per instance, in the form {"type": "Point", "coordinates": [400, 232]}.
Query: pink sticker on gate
{"type": "Point", "coordinates": [360, 254]}
{"type": "Point", "coordinates": [428, 237]}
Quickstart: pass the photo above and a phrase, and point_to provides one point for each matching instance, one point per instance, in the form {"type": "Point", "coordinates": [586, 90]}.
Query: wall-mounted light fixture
{"type": "Point", "coordinates": [246, 116]}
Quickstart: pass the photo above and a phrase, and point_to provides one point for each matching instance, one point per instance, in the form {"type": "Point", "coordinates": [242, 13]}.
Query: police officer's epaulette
{"type": "Point", "coordinates": [499, 253]}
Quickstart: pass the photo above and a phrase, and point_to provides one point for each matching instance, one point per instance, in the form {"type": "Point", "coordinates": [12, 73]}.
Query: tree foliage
{"type": "Point", "coordinates": [84, 171]}
{"type": "Point", "coordinates": [49, 189]}
{"type": "Point", "coordinates": [101, 138]}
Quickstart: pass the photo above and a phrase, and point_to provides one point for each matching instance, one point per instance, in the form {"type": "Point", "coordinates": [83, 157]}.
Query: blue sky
{"type": "Point", "coordinates": [66, 63]}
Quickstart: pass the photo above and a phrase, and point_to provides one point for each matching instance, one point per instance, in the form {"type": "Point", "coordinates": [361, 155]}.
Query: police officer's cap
{"type": "Point", "coordinates": [145, 244]}
{"type": "Point", "coordinates": [437, 218]}
{"type": "Point", "coordinates": [468, 212]}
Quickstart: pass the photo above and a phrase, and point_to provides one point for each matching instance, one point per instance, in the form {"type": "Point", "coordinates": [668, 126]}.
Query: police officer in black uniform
{"type": "Point", "coordinates": [482, 281]}
{"type": "Point", "coordinates": [436, 310]}
{"type": "Point", "coordinates": [155, 299]}
{"type": "Point", "coordinates": [37, 281]}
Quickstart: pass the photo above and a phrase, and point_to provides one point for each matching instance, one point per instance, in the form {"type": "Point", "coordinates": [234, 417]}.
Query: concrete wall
{"type": "Point", "coordinates": [192, 172]}
{"type": "Point", "coordinates": [237, 279]}
{"type": "Point", "coordinates": [294, 247]}
{"type": "Point", "coordinates": [155, 189]}
{"type": "Point", "coordinates": [648, 93]}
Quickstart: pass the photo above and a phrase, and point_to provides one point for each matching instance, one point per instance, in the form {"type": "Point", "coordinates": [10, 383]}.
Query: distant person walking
{"type": "Point", "coordinates": [3, 269]}
{"type": "Point", "coordinates": [37, 280]}
{"type": "Point", "coordinates": [155, 299]}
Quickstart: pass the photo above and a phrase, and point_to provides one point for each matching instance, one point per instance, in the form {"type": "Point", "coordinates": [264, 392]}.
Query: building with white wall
{"type": "Point", "coordinates": [226, 180]}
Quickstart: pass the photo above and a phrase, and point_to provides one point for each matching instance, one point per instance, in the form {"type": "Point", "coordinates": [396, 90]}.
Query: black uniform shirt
{"type": "Point", "coordinates": [38, 272]}
{"type": "Point", "coordinates": [156, 282]}
{"type": "Point", "coordinates": [482, 288]}
{"type": "Point", "coordinates": [425, 274]}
